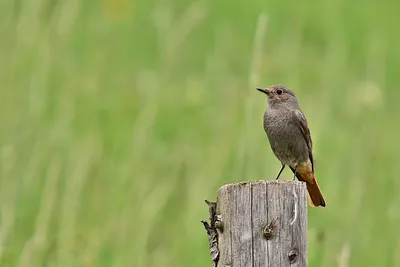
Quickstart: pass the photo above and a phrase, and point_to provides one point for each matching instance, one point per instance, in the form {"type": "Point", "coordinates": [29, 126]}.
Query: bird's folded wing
{"type": "Point", "coordinates": [300, 121]}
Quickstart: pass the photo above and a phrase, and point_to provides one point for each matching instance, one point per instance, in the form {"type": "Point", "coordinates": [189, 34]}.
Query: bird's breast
{"type": "Point", "coordinates": [285, 138]}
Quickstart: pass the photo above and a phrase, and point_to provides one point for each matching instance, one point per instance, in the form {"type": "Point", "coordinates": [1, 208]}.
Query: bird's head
{"type": "Point", "coordinates": [279, 95]}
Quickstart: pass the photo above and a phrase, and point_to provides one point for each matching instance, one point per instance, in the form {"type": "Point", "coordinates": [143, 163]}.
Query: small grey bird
{"type": "Point", "coordinates": [290, 139]}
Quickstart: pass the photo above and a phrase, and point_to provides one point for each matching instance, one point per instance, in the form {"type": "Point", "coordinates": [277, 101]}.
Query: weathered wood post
{"type": "Point", "coordinates": [259, 223]}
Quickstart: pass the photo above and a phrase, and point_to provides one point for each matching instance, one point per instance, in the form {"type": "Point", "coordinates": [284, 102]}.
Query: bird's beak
{"type": "Point", "coordinates": [265, 91]}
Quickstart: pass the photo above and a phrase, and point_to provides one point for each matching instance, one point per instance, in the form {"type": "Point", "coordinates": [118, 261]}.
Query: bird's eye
{"type": "Point", "coordinates": [279, 91]}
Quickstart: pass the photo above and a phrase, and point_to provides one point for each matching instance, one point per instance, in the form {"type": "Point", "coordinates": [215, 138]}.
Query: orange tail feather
{"type": "Point", "coordinates": [314, 193]}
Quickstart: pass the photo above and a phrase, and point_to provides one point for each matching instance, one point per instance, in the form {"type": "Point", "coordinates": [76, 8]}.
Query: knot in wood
{"type": "Point", "coordinates": [292, 255]}
{"type": "Point", "coordinates": [269, 229]}
{"type": "Point", "coordinates": [268, 232]}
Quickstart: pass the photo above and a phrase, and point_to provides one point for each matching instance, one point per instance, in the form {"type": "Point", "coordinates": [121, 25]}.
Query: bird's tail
{"type": "Point", "coordinates": [314, 193]}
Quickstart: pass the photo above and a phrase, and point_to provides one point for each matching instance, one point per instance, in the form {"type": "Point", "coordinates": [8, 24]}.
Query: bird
{"type": "Point", "coordinates": [290, 139]}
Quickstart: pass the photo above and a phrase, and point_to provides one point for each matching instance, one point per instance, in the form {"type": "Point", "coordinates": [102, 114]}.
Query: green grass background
{"type": "Point", "coordinates": [118, 118]}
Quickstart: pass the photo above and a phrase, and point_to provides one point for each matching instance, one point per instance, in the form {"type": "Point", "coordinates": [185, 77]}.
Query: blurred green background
{"type": "Point", "coordinates": [118, 118]}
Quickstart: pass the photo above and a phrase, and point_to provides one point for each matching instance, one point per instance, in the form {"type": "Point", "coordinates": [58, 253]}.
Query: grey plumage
{"type": "Point", "coordinates": [281, 123]}
{"type": "Point", "coordinates": [290, 138]}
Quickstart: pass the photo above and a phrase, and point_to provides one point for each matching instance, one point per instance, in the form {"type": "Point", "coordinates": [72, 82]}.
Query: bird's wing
{"type": "Point", "coordinates": [301, 121]}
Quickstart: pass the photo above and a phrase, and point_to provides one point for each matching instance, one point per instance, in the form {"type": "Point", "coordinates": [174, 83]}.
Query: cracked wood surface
{"type": "Point", "coordinates": [264, 224]}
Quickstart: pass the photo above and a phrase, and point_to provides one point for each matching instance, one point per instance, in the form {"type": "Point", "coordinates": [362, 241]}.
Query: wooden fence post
{"type": "Point", "coordinates": [259, 223]}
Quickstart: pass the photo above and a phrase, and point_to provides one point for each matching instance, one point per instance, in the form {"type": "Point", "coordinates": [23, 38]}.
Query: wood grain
{"type": "Point", "coordinates": [264, 224]}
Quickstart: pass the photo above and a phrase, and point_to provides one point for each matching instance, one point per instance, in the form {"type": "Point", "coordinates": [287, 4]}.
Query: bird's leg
{"type": "Point", "coordinates": [295, 172]}
{"type": "Point", "coordinates": [279, 174]}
